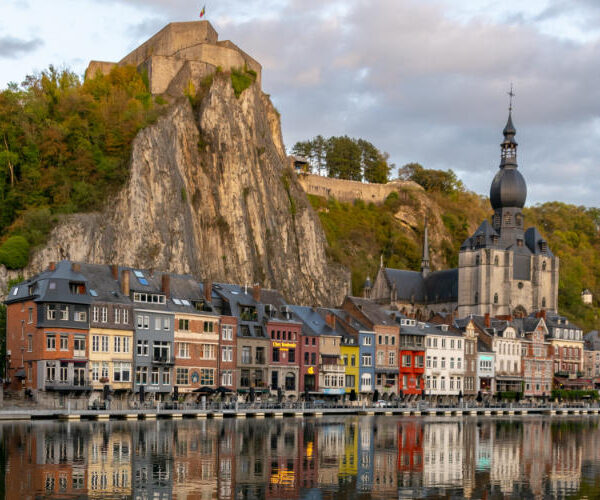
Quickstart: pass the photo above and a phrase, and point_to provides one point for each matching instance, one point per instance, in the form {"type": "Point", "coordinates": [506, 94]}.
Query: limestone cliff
{"type": "Point", "coordinates": [210, 193]}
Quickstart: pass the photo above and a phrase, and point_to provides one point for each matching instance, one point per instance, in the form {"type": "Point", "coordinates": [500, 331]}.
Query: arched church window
{"type": "Point", "coordinates": [497, 221]}
{"type": "Point", "coordinates": [495, 298]}
{"type": "Point", "coordinates": [518, 219]}
{"type": "Point", "coordinates": [496, 260]}
{"type": "Point", "coordinates": [544, 266]}
{"type": "Point", "coordinates": [543, 301]}
{"type": "Point", "coordinates": [507, 219]}
{"type": "Point", "coordinates": [476, 297]}
{"type": "Point", "coordinates": [477, 260]}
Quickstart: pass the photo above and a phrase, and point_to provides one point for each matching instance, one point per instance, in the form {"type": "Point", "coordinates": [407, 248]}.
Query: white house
{"type": "Point", "coordinates": [444, 361]}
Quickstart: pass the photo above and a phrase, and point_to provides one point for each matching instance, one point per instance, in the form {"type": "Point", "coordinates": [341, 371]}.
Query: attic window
{"type": "Point", "coordinates": [93, 293]}
{"type": "Point", "coordinates": [77, 288]}
{"type": "Point", "coordinates": [52, 285]}
{"type": "Point", "coordinates": [543, 246]}
{"type": "Point", "coordinates": [519, 242]}
{"type": "Point", "coordinates": [186, 302]}
{"type": "Point", "coordinates": [444, 328]}
{"type": "Point", "coordinates": [177, 301]}
{"type": "Point", "coordinates": [15, 290]}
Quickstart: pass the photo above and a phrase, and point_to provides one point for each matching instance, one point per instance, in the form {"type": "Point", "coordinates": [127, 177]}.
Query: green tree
{"type": "Point", "coordinates": [374, 163]}
{"type": "Point", "coordinates": [344, 159]}
{"type": "Point", "coordinates": [443, 181]}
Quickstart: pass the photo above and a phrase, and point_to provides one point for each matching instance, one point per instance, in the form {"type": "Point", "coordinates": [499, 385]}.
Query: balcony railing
{"type": "Point", "coordinates": [164, 360]}
{"type": "Point", "coordinates": [331, 368]}
{"type": "Point", "coordinates": [68, 385]}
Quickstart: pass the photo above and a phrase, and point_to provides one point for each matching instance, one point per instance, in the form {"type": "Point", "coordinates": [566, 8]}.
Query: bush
{"type": "Point", "coordinates": [241, 79]}
{"type": "Point", "coordinates": [14, 252]}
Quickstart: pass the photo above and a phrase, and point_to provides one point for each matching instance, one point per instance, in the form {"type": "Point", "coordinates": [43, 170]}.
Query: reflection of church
{"type": "Point", "coordinates": [503, 269]}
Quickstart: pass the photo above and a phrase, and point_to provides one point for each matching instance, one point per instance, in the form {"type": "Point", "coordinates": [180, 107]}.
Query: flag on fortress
{"type": "Point", "coordinates": [203, 11]}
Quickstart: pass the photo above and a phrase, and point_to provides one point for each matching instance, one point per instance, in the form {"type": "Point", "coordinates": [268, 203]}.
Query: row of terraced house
{"type": "Point", "coordinates": [100, 332]}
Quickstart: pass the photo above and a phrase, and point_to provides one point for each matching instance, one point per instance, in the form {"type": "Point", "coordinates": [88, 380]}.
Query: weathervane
{"type": "Point", "coordinates": [511, 94]}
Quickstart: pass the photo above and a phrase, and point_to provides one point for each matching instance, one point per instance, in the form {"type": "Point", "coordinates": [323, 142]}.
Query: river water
{"type": "Point", "coordinates": [330, 457]}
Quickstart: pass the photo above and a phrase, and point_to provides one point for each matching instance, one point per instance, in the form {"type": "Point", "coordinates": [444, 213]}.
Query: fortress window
{"type": "Point", "coordinates": [519, 243]}
{"type": "Point", "coordinates": [518, 219]}
{"type": "Point", "coordinates": [507, 219]}
{"type": "Point", "coordinates": [476, 297]}
{"type": "Point", "coordinates": [543, 301]}
{"type": "Point", "coordinates": [477, 260]}
{"type": "Point", "coordinates": [495, 298]}
{"type": "Point", "coordinates": [544, 266]}
{"type": "Point", "coordinates": [496, 260]}
{"type": "Point", "coordinates": [496, 221]}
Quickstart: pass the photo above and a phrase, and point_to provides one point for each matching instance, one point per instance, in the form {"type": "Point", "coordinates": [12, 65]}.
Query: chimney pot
{"type": "Point", "coordinates": [166, 284]}
{"type": "Point", "coordinates": [114, 270]}
{"type": "Point", "coordinates": [52, 266]}
{"type": "Point", "coordinates": [125, 282]}
{"type": "Point", "coordinates": [330, 320]}
{"type": "Point", "coordinates": [488, 323]}
{"type": "Point", "coordinates": [256, 293]}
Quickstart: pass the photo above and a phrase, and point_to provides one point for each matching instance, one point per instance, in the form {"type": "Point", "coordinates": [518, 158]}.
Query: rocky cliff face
{"type": "Point", "coordinates": [210, 194]}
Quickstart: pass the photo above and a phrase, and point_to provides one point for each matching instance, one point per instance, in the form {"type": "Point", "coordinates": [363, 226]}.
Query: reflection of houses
{"type": "Point", "coordinates": [109, 461]}
{"type": "Point", "coordinates": [283, 467]}
{"type": "Point", "coordinates": [364, 474]}
{"type": "Point", "coordinates": [49, 459]}
{"type": "Point", "coordinates": [565, 470]}
{"type": "Point", "coordinates": [331, 442]}
{"type": "Point", "coordinates": [385, 459]}
{"type": "Point", "coordinates": [505, 468]}
{"type": "Point", "coordinates": [252, 451]}
{"type": "Point", "coordinates": [308, 455]}
{"type": "Point", "coordinates": [536, 454]}
{"type": "Point", "coordinates": [152, 460]}
{"type": "Point", "coordinates": [443, 454]}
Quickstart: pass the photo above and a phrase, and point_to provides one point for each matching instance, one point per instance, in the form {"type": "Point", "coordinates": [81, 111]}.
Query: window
{"type": "Point", "coordinates": [51, 342]}
{"type": "Point", "coordinates": [495, 298]}
{"type": "Point", "coordinates": [380, 355]}
{"type": "Point", "coordinates": [182, 376]}
{"type": "Point", "coordinates": [428, 362]}
{"type": "Point", "coordinates": [392, 358]}
{"type": "Point", "coordinates": [352, 360]}
{"type": "Point", "coordinates": [64, 342]}
{"type": "Point", "coordinates": [406, 360]}
{"type": "Point", "coordinates": [143, 322]}
{"type": "Point", "coordinates": [50, 372]}
{"type": "Point", "coordinates": [117, 315]}
{"type": "Point", "coordinates": [122, 372]}
{"type": "Point", "coordinates": [227, 354]}
{"type": "Point", "coordinates": [275, 355]}
{"type": "Point", "coordinates": [79, 346]}
{"type": "Point", "coordinates": [117, 344]}
{"type": "Point", "coordinates": [367, 340]}
{"type": "Point", "coordinates": [292, 356]}
{"type": "Point", "coordinates": [209, 327]}
{"type": "Point", "coordinates": [51, 312]}
{"type": "Point", "coordinates": [166, 376]}
{"type": "Point", "coordinates": [104, 339]}
{"type": "Point", "coordinates": [126, 344]}
{"type": "Point", "coordinates": [184, 350]}
{"type": "Point", "coordinates": [95, 314]}
{"type": "Point", "coordinates": [246, 355]}
{"type": "Point", "coordinates": [451, 363]}
{"type": "Point", "coordinates": [435, 362]}
{"type": "Point", "coordinates": [207, 376]}
{"type": "Point", "coordinates": [226, 378]}
{"type": "Point", "coordinates": [161, 351]}
{"type": "Point", "coordinates": [104, 315]}
{"type": "Point", "coordinates": [306, 360]}
{"type": "Point", "coordinates": [227, 332]}
{"type": "Point", "coordinates": [95, 343]}
{"type": "Point", "coordinates": [95, 371]}
{"type": "Point", "coordinates": [155, 376]}
{"type": "Point", "coordinates": [350, 381]}
{"type": "Point", "coordinates": [157, 323]}
{"type": "Point", "coordinates": [184, 324]}
{"type": "Point", "coordinates": [443, 363]}
{"type": "Point", "coordinates": [260, 355]}
{"type": "Point", "coordinates": [365, 380]}
{"type": "Point", "coordinates": [142, 348]}
{"type": "Point", "coordinates": [80, 316]}
{"type": "Point", "coordinates": [208, 351]}
{"type": "Point", "coordinates": [244, 378]}
{"type": "Point", "coordinates": [451, 343]}
{"type": "Point", "coordinates": [150, 298]}
{"type": "Point", "coordinates": [141, 375]}
{"type": "Point", "coordinates": [443, 343]}
{"type": "Point", "coordinates": [366, 360]}
{"type": "Point", "coordinates": [313, 358]}
{"type": "Point", "coordinates": [30, 343]}
{"type": "Point", "coordinates": [125, 316]}
{"type": "Point", "coordinates": [104, 373]}
{"type": "Point", "coordinates": [419, 361]}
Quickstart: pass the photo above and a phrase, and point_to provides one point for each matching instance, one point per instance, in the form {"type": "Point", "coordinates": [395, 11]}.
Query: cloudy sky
{"type": "Point", "coordinates": [424, 80]}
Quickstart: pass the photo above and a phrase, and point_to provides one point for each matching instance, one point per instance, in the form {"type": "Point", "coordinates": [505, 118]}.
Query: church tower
{"type": "Point", "coordinates": [503, 269]}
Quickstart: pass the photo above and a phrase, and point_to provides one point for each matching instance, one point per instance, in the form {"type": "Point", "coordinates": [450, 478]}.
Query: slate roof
{"type": "Point", "coordinates": [485, 236]}
{"type": "Point", "coordinates": [435, 287]}
{"type": "Point", "coordinates": [375, 313]}
{"type": "Point", "coordinates": [592, 340]}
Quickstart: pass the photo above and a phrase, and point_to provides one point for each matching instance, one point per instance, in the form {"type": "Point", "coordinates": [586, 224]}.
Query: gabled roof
{"type": "Point", "coordinates": [483, 237]}
{"type": "Point", "coordinates": [435, 287]}
{"type": "Point", "coordinates": [372, 311]}
{"type": "Point", "coordinates": [535, 242]}
{"type": "Point", "coordinates": [409, 285]}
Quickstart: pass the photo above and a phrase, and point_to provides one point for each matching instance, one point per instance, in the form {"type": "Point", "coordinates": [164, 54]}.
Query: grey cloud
{"type": "Point", "coordinates": [11, 48]}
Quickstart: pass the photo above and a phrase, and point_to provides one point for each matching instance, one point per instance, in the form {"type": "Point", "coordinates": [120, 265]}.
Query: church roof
{"type": "Point", "coordinates": [411, 286]}
{"type": "Point", "coordinates": [485, 236]}
{"type": "Point", "coordinates": [536, 242]}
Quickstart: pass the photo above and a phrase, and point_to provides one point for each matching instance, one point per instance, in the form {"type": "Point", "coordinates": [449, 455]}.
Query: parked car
{"type": "Point", "coordinates": [381, 404]}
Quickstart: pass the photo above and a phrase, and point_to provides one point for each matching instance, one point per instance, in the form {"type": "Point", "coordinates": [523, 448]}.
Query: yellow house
{"type": "Point", "coordinates": [350, 359]}
{"type": "Point", "coordinates": [111, 349]}
{"type": "Point", "coordinates": [349, 461]}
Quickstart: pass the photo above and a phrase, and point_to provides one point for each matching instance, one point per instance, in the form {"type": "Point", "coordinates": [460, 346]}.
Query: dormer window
{"type": "Point", "coordinates": [519, 242]}
{"type": "Point", "coordinates": [543, 246]}
{"type": "Point", "coordinates": [149, 298]}
{"type": "Point", "coordinates": [51, 312]}
{"type": "Point", "coordinates": [77, 288]}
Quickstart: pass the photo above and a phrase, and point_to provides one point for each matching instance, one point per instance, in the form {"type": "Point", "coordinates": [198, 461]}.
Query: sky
{"type": "Point", "coordinates": [424, 80]}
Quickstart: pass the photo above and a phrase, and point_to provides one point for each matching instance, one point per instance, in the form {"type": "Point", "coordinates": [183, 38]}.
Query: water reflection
{"type": "Point", "coordinates": [343, 457]}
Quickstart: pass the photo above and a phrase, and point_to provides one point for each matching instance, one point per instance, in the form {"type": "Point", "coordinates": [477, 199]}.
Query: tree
{"type": "Point", "coordinates": [374, 163]}
{"type": "Point", "coordinates": [344, 159]}
{"type": "Point", "coordinates": [431, 180]}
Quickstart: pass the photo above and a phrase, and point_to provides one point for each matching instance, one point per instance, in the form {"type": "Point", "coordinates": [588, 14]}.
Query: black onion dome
{"type": "Point", "coordinates": [508, 189]}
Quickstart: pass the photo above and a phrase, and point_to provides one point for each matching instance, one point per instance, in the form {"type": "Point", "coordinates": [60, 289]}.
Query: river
{"type": "Point", "coordinates": [312, 458]}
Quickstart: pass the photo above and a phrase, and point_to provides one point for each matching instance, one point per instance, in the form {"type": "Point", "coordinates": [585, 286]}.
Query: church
{"type": "Point", "coordinates": [503, 269]}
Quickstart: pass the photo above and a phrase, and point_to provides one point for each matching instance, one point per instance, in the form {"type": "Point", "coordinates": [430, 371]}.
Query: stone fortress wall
{"type": "Point", "coordinates": [180, 53]}
{"type": "Point", "coordinates": [348, 191]}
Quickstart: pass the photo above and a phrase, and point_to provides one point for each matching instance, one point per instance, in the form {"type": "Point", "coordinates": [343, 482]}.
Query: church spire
{"type": "Point", "coordinates": [425, 258]}
{"type": "Point", "coordinates": [509, 145]}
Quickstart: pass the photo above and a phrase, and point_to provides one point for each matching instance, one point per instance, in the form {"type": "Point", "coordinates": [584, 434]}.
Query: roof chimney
{"type": "Point", "coordinates": [330, 320]}
{"type": "Point", "coordinates": [76, 267]}
{"type": "Point", "coordinates": [256, 293]}
{"type": "Point", "coordinates": [488, 323]}
{"type": "Point", "coordinates": [114, 270]}
{"type": "Point", "coordinates": [125, 282]}
{"type": "Point", "coordinates": [543, 314]}
{"type": "Point", "coordinates": [52, 266]}
{"type": "Point", "coordinates": [166, 284]}
{"type": "Point", "coordinates": [208, 290]}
